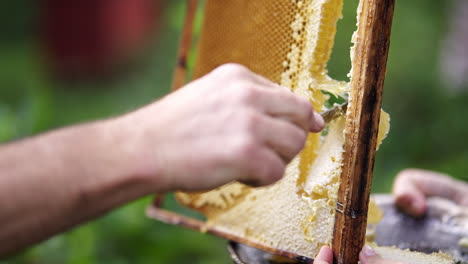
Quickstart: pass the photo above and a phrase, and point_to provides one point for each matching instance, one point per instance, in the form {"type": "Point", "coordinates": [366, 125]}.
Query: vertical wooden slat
{"type": "Point", "coordinates": [369, 68]}
{"type": "Point", "coordinates": [180, 73]}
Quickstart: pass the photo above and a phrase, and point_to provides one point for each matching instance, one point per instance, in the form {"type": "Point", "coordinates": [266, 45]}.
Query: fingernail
{"type": "Point", "coordinates": [368, 251]}
{"type": "Point", "coordinates": [318, 121]}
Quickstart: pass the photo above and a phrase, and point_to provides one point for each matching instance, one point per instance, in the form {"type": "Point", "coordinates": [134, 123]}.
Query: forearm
{"type": "Point", "coordinates": [54, 181]}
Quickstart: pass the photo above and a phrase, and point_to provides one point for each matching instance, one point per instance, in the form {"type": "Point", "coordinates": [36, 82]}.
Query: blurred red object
{"type": "Point", "coordinates": [86, 38]}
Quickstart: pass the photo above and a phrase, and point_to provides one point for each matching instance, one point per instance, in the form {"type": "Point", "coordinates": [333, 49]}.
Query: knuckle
{"type": "Point", "coordinates": [250, 121]}
{"type": "Point", "coordinates": [232, 69]}
{"type": "Point", "coordinates": [246, 94]}
{"type": "Point", "coordinates": [246, 148]}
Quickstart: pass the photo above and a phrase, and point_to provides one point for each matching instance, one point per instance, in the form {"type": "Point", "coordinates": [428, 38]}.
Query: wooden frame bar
{"type": "Point", "coordinates": [180, 73]}
{"type": "Point", "coordinates": [362, 124]}
{"type": "Point", "coordinates": [168, 217]}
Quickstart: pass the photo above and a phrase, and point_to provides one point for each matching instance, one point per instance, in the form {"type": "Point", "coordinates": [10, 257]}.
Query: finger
{"type": "Point", "coordinates": [412, 186]}
{"type": "Point", "coordinates": [441, 185]}
{"type": "Point", "coordinates": [369, 256]}
{"type": "Point", "coordinates": [291, 107]}
{"type": "Point", "coordinates": [262, 167]}
{"type": "Point", "coordinates": [325, 256]}
{"type": "Point", "coordinates": [408, 197]}
{"type": "Point", "coordinates": [413, 204]}
{"type": "Point", "coordinates": [315, 121]}
{"type": "Point", "coordinates": [284, 138]}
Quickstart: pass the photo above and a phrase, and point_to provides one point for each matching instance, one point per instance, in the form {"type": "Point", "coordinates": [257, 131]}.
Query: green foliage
{"type": "Point", "coordinates": [428, 124]}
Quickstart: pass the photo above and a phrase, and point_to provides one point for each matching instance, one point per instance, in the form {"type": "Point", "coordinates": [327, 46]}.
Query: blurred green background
{"type": "Point", "coordinates": [428, 125]}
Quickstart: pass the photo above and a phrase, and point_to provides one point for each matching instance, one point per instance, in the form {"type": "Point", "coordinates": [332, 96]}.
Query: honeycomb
{"type": "Point", "coordinates": [289, 42]}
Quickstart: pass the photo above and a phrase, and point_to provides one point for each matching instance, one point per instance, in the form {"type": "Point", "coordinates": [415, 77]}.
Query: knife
{"type": "Point", "coordinates": [332, 113]}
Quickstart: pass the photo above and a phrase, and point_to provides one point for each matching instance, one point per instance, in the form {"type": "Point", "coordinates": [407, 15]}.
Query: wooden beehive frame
{"type": "Point", "coordinates": [362, 123]}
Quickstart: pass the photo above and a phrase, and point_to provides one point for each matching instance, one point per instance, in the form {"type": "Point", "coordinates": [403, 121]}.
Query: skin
{"type": "Point", "coordinates": [325, 256]}
{"type": "Point", "coordinates": [230, 125]}
{"type": "Point", "coordinates": [366, 256]}
{"type": "Point", "coordinates": [411, 189]}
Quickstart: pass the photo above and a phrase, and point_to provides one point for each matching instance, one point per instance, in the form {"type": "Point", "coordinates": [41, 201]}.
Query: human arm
{"type": "Point", "coordinates": [229, 125]}
{"type": "Point", "coordinates": [412, 187]}
{"type": "Point", "coordinates": [54, 181]}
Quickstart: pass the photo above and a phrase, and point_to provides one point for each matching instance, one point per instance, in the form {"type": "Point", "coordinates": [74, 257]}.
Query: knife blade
{"type": "Point", "coordinates": [332, 113]}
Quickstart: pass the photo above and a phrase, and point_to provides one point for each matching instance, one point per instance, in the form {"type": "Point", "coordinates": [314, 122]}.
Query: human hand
{"type": "Point", "coordinates": [366, 256]}
{"type": "Point", "coordinates": [230, 125]}
{"type": "Point", "coordinates": [369, 256]}
{"type": "Point", "coordinates": [325, 256]}
{"type": "Point", "coordinates": [412, 187]}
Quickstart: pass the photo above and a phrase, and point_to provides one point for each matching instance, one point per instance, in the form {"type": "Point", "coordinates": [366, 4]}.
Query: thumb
{"type": "Point", "coordinates": [411, 202]}
{"type": "Point", "coordinates": [369, 256]}
{"type": "Point", "coordinates": [325, 256]}
{"type": "Point", "coordinates": [409, 197]}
